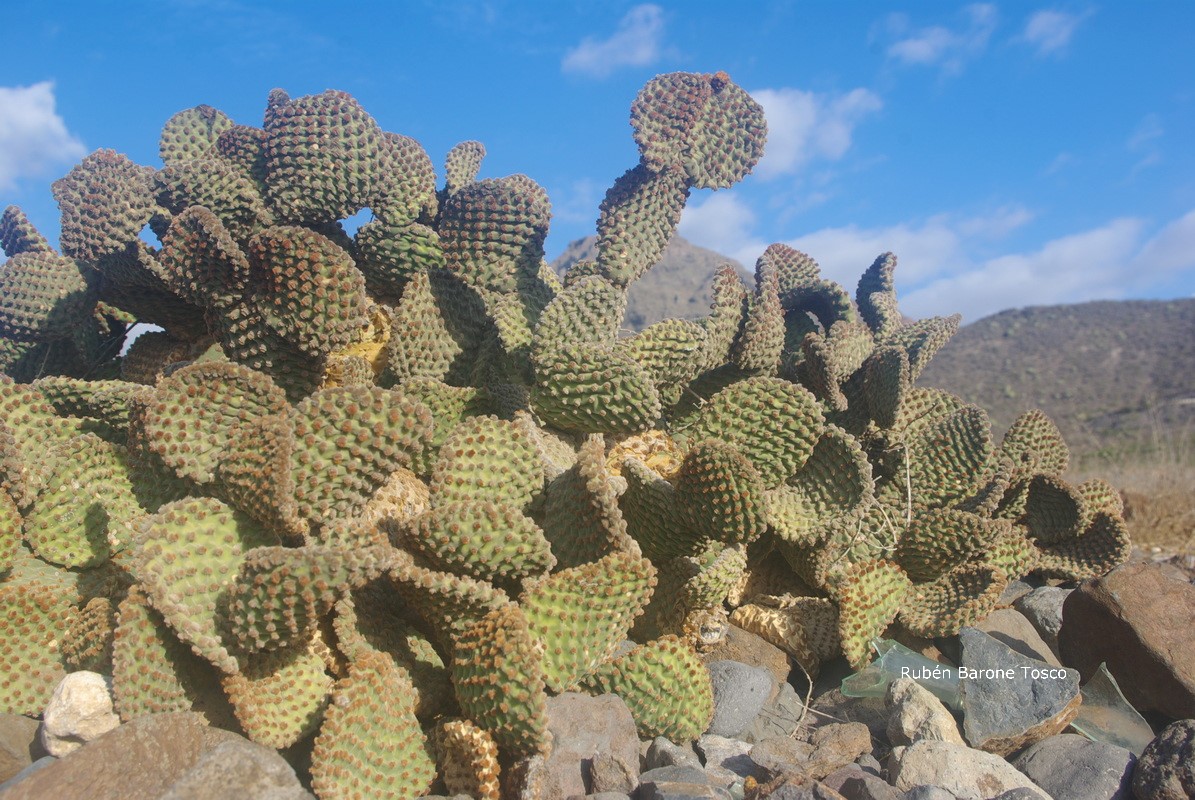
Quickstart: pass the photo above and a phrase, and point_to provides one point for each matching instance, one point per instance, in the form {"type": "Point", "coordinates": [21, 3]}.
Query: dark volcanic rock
{"type": "Point", "coordinates": [1072, 767]}
{"type": "Point", "coordinates": [1166, 770]}
{"type": "Point", "coordinates": [1137, 619]}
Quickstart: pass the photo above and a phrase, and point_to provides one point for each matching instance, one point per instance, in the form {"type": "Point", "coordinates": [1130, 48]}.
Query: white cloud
{"type": "Point", "coordinates": [1144, 142]}
{"type": "Point", "coordinates": [33, 137]}
{"type": "Point", "coordinates": [803, 126]}
{"type": "Point", "coordinates": [1171, 250]}
{"type": "Point", "coordinates": [723, 223]}
{"type": "Point", "coordinates": [1050, 31]}
{"type": "Point", "coordinates": [938, 45]}
{"type": "Point", "coordinates": [636, 43]}
{"type": "Point", "coordinates": [998, 224]}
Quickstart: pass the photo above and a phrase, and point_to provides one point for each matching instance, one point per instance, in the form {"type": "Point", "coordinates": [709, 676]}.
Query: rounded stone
{"type": "Point", "coordinates": [740, 692]}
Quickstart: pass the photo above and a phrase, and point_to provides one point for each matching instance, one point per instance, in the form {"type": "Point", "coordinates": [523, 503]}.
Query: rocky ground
{"type": "Point", "coordinates": [1010, 738]}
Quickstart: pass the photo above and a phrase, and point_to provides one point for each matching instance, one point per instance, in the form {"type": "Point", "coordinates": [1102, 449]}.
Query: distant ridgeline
{"type": "Point", "coordinates": [1118, 377]}
{"type": "Point", "coordinates": [678, 286]}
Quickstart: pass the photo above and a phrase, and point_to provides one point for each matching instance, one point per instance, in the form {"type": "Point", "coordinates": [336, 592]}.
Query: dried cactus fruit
{"type": "Point", "coordinates": [580, 614]}
{"type": "Point", "coordinates": [665, 686]}
{"type": "Point", "coordinates": [804, 627]}
{"type": "Point", "coordinates": [467, 759]}
{"type": "Point", "coordinates": [105, 200]}
{"type": "Point", "coordinates": [370, 743]}
{"type": "Point", "coordinates": [499, 678]}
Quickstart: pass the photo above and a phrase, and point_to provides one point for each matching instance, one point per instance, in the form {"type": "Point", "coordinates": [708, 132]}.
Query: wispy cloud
{"type": "Point", "coordinates": [803, 126]}
{"type": "Point", "coordinates": [949, 48]}
{"type": "Point", "coordinates": [636, 43]}
{"type": "Point", "coordinates": [941, 270]}
{"type": "Point", "coordinates": [33, 137]}
{"type": "Point", "coordinates": [1143, 143]}
{"type": "Point", "coordinates": [1050, 31]}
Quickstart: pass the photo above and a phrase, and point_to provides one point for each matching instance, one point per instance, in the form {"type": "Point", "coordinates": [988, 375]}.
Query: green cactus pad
{"type": "Point", "coordinates": [245, 146]}
{"type": "Point", "coordinates": [279, 697]}
{"type": "Point", "coordinates": [725, 318]}
{"type": "Point", "coordinates": [649, 508]}
{"type": "Point", "coordinates": [88, 644]}
{"type": "Point", "coordinates": [447, 603]}
{"type": "Point", "coordinates": [11, 523]}
{"type": "Point", "coordinates": [107, 402]}
{"type": "Point", "coordinates": [254, 473]}
{"type": "Point", "coordinates": [220, 187]}
{"type": "Point", "coordinates": [487, 540]}
{"type": "Point", "coordinates": [497, 668]}
{"type": "Point", "coordinates": [1103, 546]}
{"type": "Point", "coordinates": [758, 347]}
{"type": "Point", "coordinates": [487, 459]}
{"type": "Point", "coordinates": [191, 133]}
{"type": "Point", "coordinates": [152, 671]}
{"type": "Point", "coordinates": [869, 594]}
{"type": "Point", "coordinates": [187, 561]}
{"type": "Point", "coordinates": [280, 593]}
{"type": "Point", "coordinates": [714, 573]}
{"type": "Point", "coordinates": [311, 292]}
{"type": "Point", "coordinates": [588, 389]}
{"type": "Point", "coordinates": [86, 506]}
{"type": "Point", "coordinates": [17, 234]}
{"type": "Point", "coordinates": [958, 598]}
{"type": "Point", "coordinates": [322, 152]}
{"type": "Point", "coordinates": [720, 494]}
{"type": "Point", "coordinates": [34, 619]}
{"type": "Point", "coordinates": [948, 458]}
{"type": "Point", "coordinates": [462, 164]}
{"type": "Point", "coordinates": [580, 614]}
{"type": "Point", "coordinates": [665, 686]}
{"type": "Point", "coordinates": [106, 200]}
{"type": "Point", "coordinates": [407, 184]}
{"type": "Point", "coordinates": [581, 517]}
{"type": "Point", "coordinates": [1054, 511]}
{"type": "Point", "coordinates": [703, 124]}
{"type": "Point", "coordinates": [372, 618]}
{"type": "Point", "coordinates": [149, 355]}
{"type": "Point", "coordinates": [494, 230]}
{"type": "Point", "coordinates": [837, 479]}
{"type": "Point", "coordinates": [637, 219]}
{"type": "Point", "coordinates": [1035, 446]}
{"type": "Point", "coordinates": [370, 744]}
{"type": "Point", "coordinates": [939, 540]}
{"type": "Point", "coordinates": [668, 350]}
{"type": "Point", "coordinates": [390, 255]}
{"type": "Point", "coordinates": [43, 296]}
{"type": "Point", "coordinates": [1099, 495]}
{"type": "Point", "coordinates": [205, 266]}
{"type": "Point", "coordinates": [1012, 553]}
{"type": "Point", "coordinates": [425, 342]}
{"type": "Point", "coordinates": [922, 339]}
{"type": "Point", "coordinates": [380, 429]}
{"type": "Point", "coordinates": [772, 422]}
{"type": "Point", "coordinates": [589, 312]}
{"type": "Point", "coordinates": [193, 414]}
{"type": "Point", "coordinates": [876, 296]}
{"type": "Point", "coordinates": [886, 382]}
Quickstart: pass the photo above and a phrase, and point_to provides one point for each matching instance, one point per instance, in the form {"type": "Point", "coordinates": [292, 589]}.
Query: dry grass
{"type": "Point", "coordinates": [1157, 481]}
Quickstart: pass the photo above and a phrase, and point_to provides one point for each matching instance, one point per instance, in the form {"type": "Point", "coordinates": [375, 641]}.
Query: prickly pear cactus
{"type": "Point", "coordinates": [376, 496]}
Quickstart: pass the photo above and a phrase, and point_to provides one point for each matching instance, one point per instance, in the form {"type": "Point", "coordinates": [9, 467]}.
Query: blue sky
{"type": "Point", "coordinates": [1010, 153]}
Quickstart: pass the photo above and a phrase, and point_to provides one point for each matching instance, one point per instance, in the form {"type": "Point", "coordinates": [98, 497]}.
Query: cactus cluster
{"type": "Point", "coordinates": [377, 497]}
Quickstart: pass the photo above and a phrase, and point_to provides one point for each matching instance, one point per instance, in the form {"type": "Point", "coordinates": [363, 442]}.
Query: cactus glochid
{"type": "Point", "coordinates": [360, 488]}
